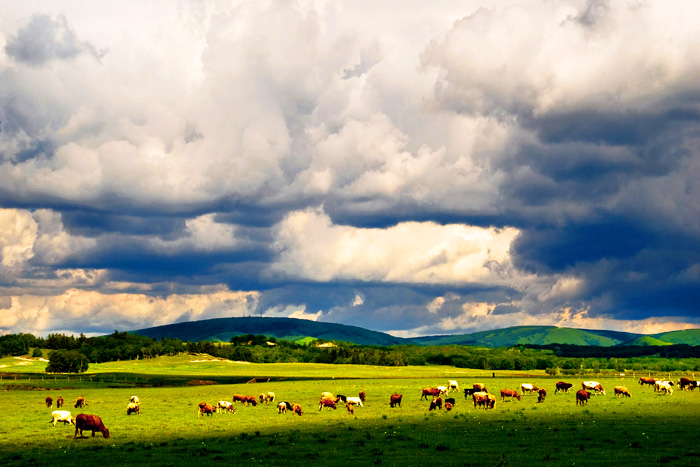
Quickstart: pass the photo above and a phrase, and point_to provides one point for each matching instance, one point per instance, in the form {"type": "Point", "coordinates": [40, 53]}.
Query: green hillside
{"type": "Point", "coordinates": [646, 340]}
{"type": "Point", "coordinates": [687, 336]}
{"type": "Point", "coordinates": [539, 335]}
{"type": "Point", "coordinates": [222, 329]}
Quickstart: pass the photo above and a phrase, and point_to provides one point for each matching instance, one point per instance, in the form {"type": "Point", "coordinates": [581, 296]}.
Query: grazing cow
{"type": "Point", "coordinates": [49, 401]}
{"type": "Point", "coordinates": [282, 407]}
{"type": "Point", "coordinates": [582, 397]}
{"type": "Point", "coordinates": [593, 386]}
{"type": "Point", "coordinates": [452, 385]}
{"type": "Point", "coordinates": [327, 403]}
{"type": "Point", "coordinates": [621, 391]}
{"type": "Point", "coordinates": [263, 398]}
{"type": "Point", "coordinates": [61, 416]}
{"type": "Point", "coordinates": [225, 406]}
{"type": "Point", "coordinates": [451, 400]}
{"type": "Point", "coordinates": [296, 409]}
{"type": "Point", "coordinates": [133, 408]}
{"type": "Point", "coordinates": [395, 400]}
{"type": "Point", "coordinates": [563, 387]}
{"type": "Point", "coordinates": [469, 392]}
{"type": "Point", "coordinates": [443, 390]}
{"type": "Point", "coordinates": [509, 393]}
{"type": "Point", "coordinates": [649, 381]}
{"type": "Point", "coordinates": [59, 402]}
{"type": "Point", "coordinates": [448, 406]}
{"type": "Point", "coordinates": [541, 394]}
{"type": "Point", "coordinates": [205, 408]}
{"type": "Point", "coordinates": [686, 383]}
{"type": "Point", "coordinates": [530, 388]}
{"type": "Point", "coordinates": [433, 392]}
{"type": "Point", "coordinates": [239, 398]}
{"type": "Point", "coordinates": [484, 399]}
{"type": "Point", "coordinates": [354, 401]}
{"type": "Point", "coordinates": [350, 407]}
{"type": "Point", "coordinates": [664, 386]}
{"type": "Point", "coordinates": [436, 403]}
{"type": "Point", "coordinates": [362, 396]}
{"type": "Point", "coordinates": [80, 402]}
{"type": "Point", "coordinates": [135, 400]}
{"type": "Point", "coordinates": [340, 398]}
{"type": "Point", "coordinates": [89, 423]}
{"type": "Point", "coordinates": [480, 387]}
{"type": "Point", "coordinates": [271, 396]}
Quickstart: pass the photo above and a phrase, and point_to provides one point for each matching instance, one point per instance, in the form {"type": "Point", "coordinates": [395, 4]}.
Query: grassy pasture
{"type": "Point", "coordinates": [646, 429]}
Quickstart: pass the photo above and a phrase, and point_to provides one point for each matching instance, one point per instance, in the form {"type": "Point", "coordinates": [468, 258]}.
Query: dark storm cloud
{"type": "Point", "coordinates": [44, 39]}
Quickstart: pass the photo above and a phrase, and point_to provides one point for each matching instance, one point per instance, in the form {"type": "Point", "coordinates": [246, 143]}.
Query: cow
{"type": "Point", "coordinates": [582, 397]}
{"type": "Point", "coordinates": [509, 393]}
{"type": "Point", "coordinates": [135, 400]}
{"type": "Point", "coordinates": [59, 402]}
{"type": "Point", "coordinates": [488, 401]}
{"type": "Point", "coordinates": [469, 392]}
{"type": "Point", "coordinates": [90, 423]}
{"type": "Point", "coordinates": [225, 406]}
{"type": "Point", "coordinates": [530, 388]}
{"type": "Point", "coordinates": [263, 398]}
{"type": "Point", "coordinates": [541, 394]}
{"type": "Point", "coordinates": [61, 416]}
{"type": "Point", "coordinates": [451, 400]}
{"type": "Point", "coordinates": [395, 400]}
{"type": "Point", "coordinates": [443, 390]}
{"type": "Point", "coordinates": [664, 386]}
{"type": "Point", "coordinates": [649, 381]}
{"type": "Point", "coordinates": [350, 407]}
{"type": "Point", "coordinates": [239, 398]}
{"type": "Point", "coordinates": [448, 406]}
{"type": "Point", "coordinates": [433, 392]}
{"type": "Point", "coordinates": [452, 385]}
{"type": "Point", "coordinates": [327, 403]}
{"type": "Point", "coordinates": [49, 401]}
{"type": "Point", "coordinates": [205, 408]}
{"type": "Point", "coordinates": [296, 409]}
{"type": "Point", "coordinates": [354, 401]}
{"type": "Point", "coordinates": [133, 408]}
{"type": "Point", "coordinates": [593, 386]}
{"type": "Point", "coordinates": [686, 383]}
{"type": "Point", "coordinates": [436, 403]}
{"type": "Point", "coordinates": [362, 396]}
{"type": "Point", "coordinates": [283, 406]}
{"type": "Point", "coordinates": [271, 396]}
{"type": "Point", "coordinates": [563, 387]}
{"type": "Point", "coordinates": [480, 387]}
{"type": "Point", "coordinates": [340, 398]}
{"type": "Point", "coordinates": [245, 399]}
{"type": "Point", "coordinates": [621, 391]}
{"type": "Point", "coordinates": [80, 402]}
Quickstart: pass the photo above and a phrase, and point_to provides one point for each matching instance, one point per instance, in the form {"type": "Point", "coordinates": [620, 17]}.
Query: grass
{"type": "Point", "coordinates": [645, 429]}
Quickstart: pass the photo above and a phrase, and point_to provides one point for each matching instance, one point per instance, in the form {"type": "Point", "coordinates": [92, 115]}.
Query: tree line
{"type": "Point", "coordinates": [74, 354]}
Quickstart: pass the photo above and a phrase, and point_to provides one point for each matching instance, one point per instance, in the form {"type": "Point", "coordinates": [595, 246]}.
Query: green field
{"type": "Point", "coordinates": [645, 429]}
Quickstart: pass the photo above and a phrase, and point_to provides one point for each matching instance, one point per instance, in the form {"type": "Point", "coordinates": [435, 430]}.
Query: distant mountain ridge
{"type": "Point", "coordinates": [222, 329]}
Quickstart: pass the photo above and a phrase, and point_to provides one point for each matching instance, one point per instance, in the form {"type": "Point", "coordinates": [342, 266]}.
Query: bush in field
{"type": "Point", "coordinates": [67, 361]}
{"type": "Point", "coordinates": [37, 353]}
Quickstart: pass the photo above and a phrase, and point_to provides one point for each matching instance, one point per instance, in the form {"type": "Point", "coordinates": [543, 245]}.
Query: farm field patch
{"type": "Point", "coordinates": [646, 428]}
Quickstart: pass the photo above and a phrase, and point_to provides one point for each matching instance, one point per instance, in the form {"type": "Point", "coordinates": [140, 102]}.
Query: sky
{"type": "Point", "coordinates": [410, 167]}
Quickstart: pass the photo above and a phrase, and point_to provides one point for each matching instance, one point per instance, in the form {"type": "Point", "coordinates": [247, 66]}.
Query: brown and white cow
{"type": "Point", "coordinates": [283, 406]}
{"type": "Point", "coordinates": [484, 399]}
{"type": "Point", "coordinates": [582, 397]}
{"type": "Point", "coordinates": [563, 387]}
{"type": "Point", "coordinates": [327, 403]}
{"type": "Point", "coordinates": [436, 403]}
{"type": "Point", "coordinates": [622, 391]}
{"type": "Point", "coordinates": [664, 386]}
{"type": "Point", "coordinates": [593, 386]}
{"type": "Point", "coordinates": [509, 393]}
{"type": "Point", "coordinates": [395, 400]}
{"type": "Point", "coordinates": [133, 407]}
{"type": "Point", "coordinates": [530, 388]}
{"type": "Point", "coordinates": [433, 392]}
{"type": "Point", "coordinates": [225, 406]}
{"type": "Point", "coordinates": [89, 423]}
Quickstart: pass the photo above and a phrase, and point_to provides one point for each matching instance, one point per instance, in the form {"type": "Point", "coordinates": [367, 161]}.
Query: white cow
{"type": "Point", "coordinates": [354, 401]}
{"type": "Point", "coordinates": [453, 386]}
{"type": "Point", "coordinates": [61, 416]}
{"type": "Point", "coordinates": [593, 386]}
{"type": "Point", "coordinates": [271, 396]}
{"type": "Point", "coordinates": [664, 386]}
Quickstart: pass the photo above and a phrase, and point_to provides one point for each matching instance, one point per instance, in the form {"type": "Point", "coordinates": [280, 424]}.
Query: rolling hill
{"type": "Point", "coordinates": [222, 329]}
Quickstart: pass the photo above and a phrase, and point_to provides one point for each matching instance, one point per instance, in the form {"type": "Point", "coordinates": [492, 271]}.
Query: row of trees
{"type": "Point", "coordinates": [71, 354]}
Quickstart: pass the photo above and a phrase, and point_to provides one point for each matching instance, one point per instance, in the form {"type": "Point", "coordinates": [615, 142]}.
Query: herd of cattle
{"type": "Point", "coordinates": [480, 395]}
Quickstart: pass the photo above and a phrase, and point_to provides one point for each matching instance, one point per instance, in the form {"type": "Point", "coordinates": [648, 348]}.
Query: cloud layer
{"type": "Point", "coordinates": [420, 169]}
